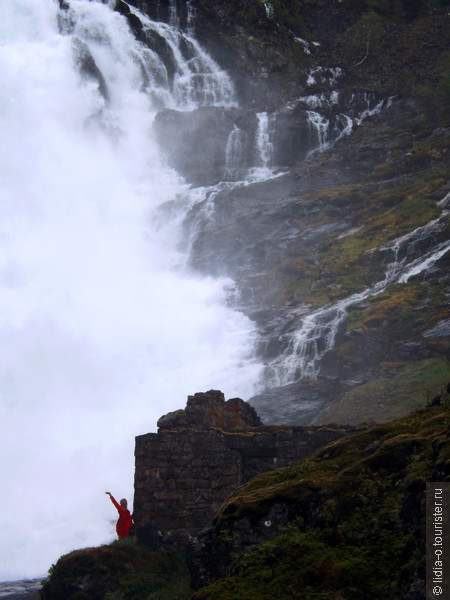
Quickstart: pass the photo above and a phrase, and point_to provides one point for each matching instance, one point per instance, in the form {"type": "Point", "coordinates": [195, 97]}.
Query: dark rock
{"type": "Point", "coordinates": [417, 590]}
{"type": "Point", "coordinates": [244, 41]}
{"type": "Point", "coordinates": [195, 142]}
{"type": "Point", "coordinates": [307, 502]}
{"type": "Point", "coordinates": [273, 236]}
{"type": "Point", "coordinates": [297, 403]}
{"type": "Point", "coordinates": [437, 400]}
{"type": "Point", "coordinates": [88, 67]}
{"type": "Point", "coordinates": [133, 21]}
{"type": "Point", "coordinates": [149, 536]}
{"type": "Point", "coordinates": [292, 139]}
{"type": "Point", "coordinates": [413, 350]}
{"type": "Point", "coordinates": [210, 555]}
{"type": "Point", "coordinates": [441, 329]}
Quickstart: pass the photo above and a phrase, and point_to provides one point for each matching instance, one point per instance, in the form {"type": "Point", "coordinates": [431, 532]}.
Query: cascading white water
{"type": "Point", "coordinates": [318, 330]}
{"type": "Point", "coordinates": [319, 126]}
{"type": "Point", "coordinates": [325, 133]}
{"type": "Point", "coordinates": [270, 10]}
{"type": "Point", "coordinates": [234, 154]}
{"type": "Point", "coordinates": [263, 149]}
{"type": "Point", "coordinates": [190, 18]}
{"type": "Point", "coordinates": [197, 79]}
{"type": "Point", "coordinates": [264, 146]}
{"type": "Point", "coordinates": [99, 335]}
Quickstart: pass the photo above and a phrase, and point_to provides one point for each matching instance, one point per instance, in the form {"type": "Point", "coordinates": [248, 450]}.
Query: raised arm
{"type": "Point", "coordinates": [114, 501]}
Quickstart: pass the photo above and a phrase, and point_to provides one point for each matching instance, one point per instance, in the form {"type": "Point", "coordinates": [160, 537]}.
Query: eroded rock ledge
{"type": "Point", "coordinates": [201, 454]}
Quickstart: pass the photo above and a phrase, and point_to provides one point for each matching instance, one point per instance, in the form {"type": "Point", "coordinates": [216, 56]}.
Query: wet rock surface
{"type": "Point", "coordinates": [358, 140]}
{"type": "Point", "coordinates": [275, 239]}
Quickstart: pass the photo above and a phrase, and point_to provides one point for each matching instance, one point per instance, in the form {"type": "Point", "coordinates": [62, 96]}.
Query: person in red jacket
{"type": "Point", "coordinates": [125, 521]}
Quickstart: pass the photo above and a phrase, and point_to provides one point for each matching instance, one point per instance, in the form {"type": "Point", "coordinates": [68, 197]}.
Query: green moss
{"type": "Point", "coordinates": [122, 571]}
{"type": "Point", "coordinates": [351, 534]}
{"type": "Point", "coordinates": [396, 305]}
{"type": "Point", "coordinates": [409, 211]}
{"type": "Point", "coordinates": [291, 15]}
{"type": "Point", "coordinates": [336, 267]}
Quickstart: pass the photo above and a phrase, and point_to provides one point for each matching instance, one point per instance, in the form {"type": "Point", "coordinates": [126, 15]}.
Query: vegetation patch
{"type": "Point", "coordinates": [124, 570]}
{"type": "Point", "coordinates": [356, 522]}
{"type": "Point", "coordinates": [396, 305]}
{"type": "Point", "coordinates": [354, 260]}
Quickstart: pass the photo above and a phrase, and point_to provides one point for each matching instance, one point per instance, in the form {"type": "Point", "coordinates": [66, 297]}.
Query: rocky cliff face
{"type": "Point", "coordinates": [341, 259]}
{"type": "Point", "coordinates": [325, 232]}
{"type": "Point", "coordinates": [200, 454]}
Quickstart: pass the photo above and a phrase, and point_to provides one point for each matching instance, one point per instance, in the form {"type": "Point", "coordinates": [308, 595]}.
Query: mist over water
{"type": "Point", "coordinates": [100, 332]}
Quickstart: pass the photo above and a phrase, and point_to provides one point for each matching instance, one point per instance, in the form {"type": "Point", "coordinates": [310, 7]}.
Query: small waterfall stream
{"type": "Point", "coordinates": [264, 146]}
{"type": "Point", "coordinates": [317, 333]}
{"type": "Point", "coordinates": [326, 131]}
{"type": "Point", "coordinates": [235, 155]}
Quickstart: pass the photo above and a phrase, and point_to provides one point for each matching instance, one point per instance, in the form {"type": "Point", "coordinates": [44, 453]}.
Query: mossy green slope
{"type": "Point", "coordinates": [356, 510]}
{"type": "Point", "coordinates": [123, 570]}
{"type": "Point", "coordinates": [381, 213]}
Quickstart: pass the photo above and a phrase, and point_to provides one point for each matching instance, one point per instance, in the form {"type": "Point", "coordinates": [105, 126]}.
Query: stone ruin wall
{"type": "Point", "coordinates": [201, 454]}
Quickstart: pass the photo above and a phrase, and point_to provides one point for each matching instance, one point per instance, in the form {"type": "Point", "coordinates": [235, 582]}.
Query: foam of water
{"type": "Point", "coordinates": [99, 335]}
{"type": "Point", "coordinates": [197, 79]}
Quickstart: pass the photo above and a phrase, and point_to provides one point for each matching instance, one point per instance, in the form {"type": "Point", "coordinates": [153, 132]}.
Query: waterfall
{"type": "Point", "coordinates": [197, 80]}
{"type": "Point", "coordinates": [269, 8]}
{"type": "Point", "coordinates": [101, 330]}
{"type": "Point", "coordinates": [190, 18]}
{"type": "Point", "coordinates": [319, 126]}
{"type": "Point", "coordinates": [317, 332]}
{"type": "Point", "coordinates": [234, 154]}
{"type": "Point", "coordinates": [370, 110]}
{"type": "Point", "coordinates": [327, 131]}
{"type": "Point", "coordinates": [264, 146]}
{"type": "Point", "coordinates": [173, 15]}
{"type": "Point", "coordinates": [236, 149]}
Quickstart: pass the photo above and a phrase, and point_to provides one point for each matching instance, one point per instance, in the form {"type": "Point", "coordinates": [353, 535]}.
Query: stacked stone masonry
{"type": "Point", "coordinates": [184, 472]}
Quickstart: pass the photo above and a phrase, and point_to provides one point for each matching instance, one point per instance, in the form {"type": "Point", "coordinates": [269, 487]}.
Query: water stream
{"type": "Point", "coordinates": [101, 332]}
{"type": "Point", "coordinates": [317, 332]}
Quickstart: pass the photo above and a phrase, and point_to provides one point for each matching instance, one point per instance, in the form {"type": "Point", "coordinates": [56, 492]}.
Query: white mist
{"type": "Point", "coordinates": [99, 336]}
